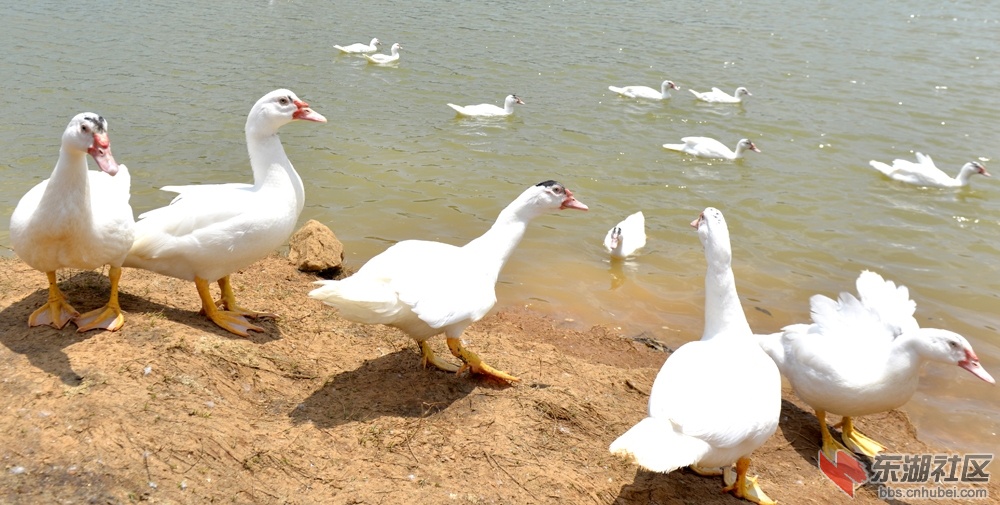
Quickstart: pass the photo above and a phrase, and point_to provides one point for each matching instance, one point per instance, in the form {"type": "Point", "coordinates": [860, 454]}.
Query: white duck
{"type": "Point", "coordinates": [719, 96]}
{"type": "Point", "coordinates": [862, 355]}
{"type": "Point", "coordinates": [488, 109]}
{"type": "Point", "coordinates": [683, 429]}
{"type": "Point", "coordinates": [385, 59]}
{"type": "Point", "coordinates": [646, 91]}
{"type": "Point", "coordinates": [925, 173]}
{"type": "Point", "coordinates": [707, 147]}
{"type": "Point", "coordinates": [209, 231]}
{"type": "Point", "coordinates": [426, 288]}
{"type": "Point", "coordinates": [626, 237]}
{"type": "Point", "coordinates": [359, 47]}
{"type": "Point", "coordinates": [77, 218]}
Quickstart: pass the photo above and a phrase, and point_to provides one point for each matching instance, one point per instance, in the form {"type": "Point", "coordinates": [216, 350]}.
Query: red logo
{"type": "Point", "coordinates": [845, 471]}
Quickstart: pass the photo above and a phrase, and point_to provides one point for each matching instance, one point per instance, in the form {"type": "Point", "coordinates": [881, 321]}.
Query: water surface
{"type": "Point", "coordinates": [834, 85]}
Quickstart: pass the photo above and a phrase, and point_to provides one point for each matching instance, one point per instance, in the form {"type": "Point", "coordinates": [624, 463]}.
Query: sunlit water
{"type": "Point", "coordinates": [834, 85]}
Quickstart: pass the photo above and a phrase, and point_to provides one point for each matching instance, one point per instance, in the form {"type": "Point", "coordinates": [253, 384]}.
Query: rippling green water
{"type": "Point", "coordinates": [835, 84]}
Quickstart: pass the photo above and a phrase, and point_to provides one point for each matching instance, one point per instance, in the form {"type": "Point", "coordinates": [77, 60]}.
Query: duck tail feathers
{"type": "Point", "coordinates": [881, 167]}
{"type": "Point", "coordinates": [891, 303]}
{"type": "Point", "coordinates": [654, 445]}
{"type": "Point", "coordinates": [362, 302]}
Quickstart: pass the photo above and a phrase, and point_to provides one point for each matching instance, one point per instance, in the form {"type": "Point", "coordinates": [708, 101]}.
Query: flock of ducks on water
{"type": "Point", "coordinates": [860, 355]}
{"type": "Point", "coordinates": [366, 50]}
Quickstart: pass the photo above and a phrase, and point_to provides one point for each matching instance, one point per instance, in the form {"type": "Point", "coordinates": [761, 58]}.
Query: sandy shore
{"type": "Point", "coordinates": [172, 409]}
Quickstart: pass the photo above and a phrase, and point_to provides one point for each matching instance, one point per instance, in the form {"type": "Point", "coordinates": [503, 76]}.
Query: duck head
{"type": "Point", "coordinates": [978, 168]}
{"type": "Point", "coordinates": [745, 144]}
{"type": "Point", "coordinates": [277, 109]}
{"type": "Point", "coordinates": [714, 234]}
{"type": "Point", "coordinates": [549, 196]}
{"type": "Point", "coordinates": [88, 132]}
{"type": "Point", "coordinates": [950, 347]}
{"type": "Point", "coordinates": [616, 236]}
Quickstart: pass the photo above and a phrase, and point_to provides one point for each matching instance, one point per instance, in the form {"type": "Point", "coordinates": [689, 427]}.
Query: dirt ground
{"type": "Point", "coordinates": [316, 410]}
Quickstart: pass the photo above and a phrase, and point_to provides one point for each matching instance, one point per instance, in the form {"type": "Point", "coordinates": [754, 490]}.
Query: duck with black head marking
{"type": "Point", "coordinates": [426, 288]}
{"type": "Point", "coordinates": [707, 147]}
{"type": "Point", "coordinates": [77, 218]}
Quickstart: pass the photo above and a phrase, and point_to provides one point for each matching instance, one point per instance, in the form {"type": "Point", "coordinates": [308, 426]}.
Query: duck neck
{"type": "Point", "coordinates": [272, 169]}
{"type": "Point", "coordinates": [723, 310]}
{"type": "Point", "coordinates": [69, 183]}
{"type": "Point", "coordinates": [508, 106]}
{"type": "Point", "coordinates": [619, 251]}
{"type": "Point", "coordinates": [907, 358]}
{"type": "Point", "coordinates": [964, 174]}
{"type": "Point", "coordinates": [664, 90]}
{"type": "Point", "coordinates": [494, 247]}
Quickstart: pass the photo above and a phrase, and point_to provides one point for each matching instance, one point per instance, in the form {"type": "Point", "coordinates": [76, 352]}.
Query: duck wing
{"type": "Point", "coordinates": [434, 280]}
{"type": "Point", "coordinates": [712, 364]}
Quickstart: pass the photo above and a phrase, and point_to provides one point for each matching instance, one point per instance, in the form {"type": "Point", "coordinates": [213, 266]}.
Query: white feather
{"type": "Point", "coordinates": [210, 231]}
{"type": "Point", "coordinates": [425, 288]}
{"type": "Point", "coordinates": [925, 173]}
{"type": "Point", "coordinates": [863, 354]}
{"type": "Point", "coordinates": [683, 426]}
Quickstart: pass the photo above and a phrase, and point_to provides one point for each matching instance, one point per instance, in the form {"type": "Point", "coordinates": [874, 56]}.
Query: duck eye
{"type": "Point", "coordinates": [953, 344]}
{"type": "Point", "coordinates": [283, 100]}
{"type": "Point", "coordinates": [84, 128]}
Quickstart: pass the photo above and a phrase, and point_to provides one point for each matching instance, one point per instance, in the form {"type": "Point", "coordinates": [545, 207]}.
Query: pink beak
{"type": "Point", "coordinates": [307, 114]}
{"type": "Point", "coordinates": [971, 364]}
{"type": "Point", "coordinates": [101, 151]}
{"type": "Point", "coordinates": [572, 203]}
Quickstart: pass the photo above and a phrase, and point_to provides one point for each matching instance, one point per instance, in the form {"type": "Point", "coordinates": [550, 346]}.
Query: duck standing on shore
{"type": "Point", "coordinates": [426, 288]}
{"type": "Point", "coordinates": [683, 427]}
{"type": "Point", "coordinates": [862, 355]}
{"type": "Point", "coordinates": [77, 218]}
{"type": "Point", "coordinates": [210, 231]}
